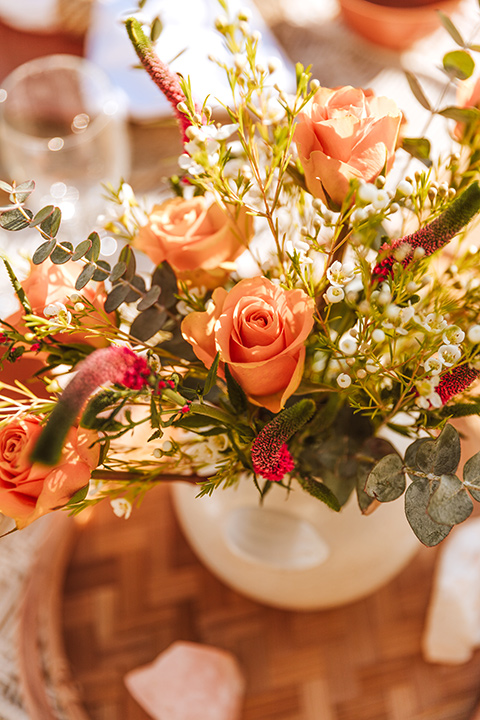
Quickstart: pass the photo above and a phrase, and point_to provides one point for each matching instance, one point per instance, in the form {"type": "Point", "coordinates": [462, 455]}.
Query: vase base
{"type": "Point", "coordinates": [293, 552]}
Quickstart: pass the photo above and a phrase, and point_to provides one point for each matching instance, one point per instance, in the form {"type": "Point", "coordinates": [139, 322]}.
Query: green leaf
{"type": "Point", "coordinates": [212, 375]}
{"type": "Point", "coordinates": [459, 64]}
{"type": "Point", "coordinates": [471, 476]}
{"type": "Point", "coordinates": [463, 115]}
{"type": "Point", "coordinates": [79, 495]}
{"type": "Point", "coordinates": [60, 255]}
{"type": "Point", "coordinates": [116, 297]}
{"type": "Point", "coordinates": [41, 215]}
{"type": "Point", "coordinates": [19, 291]}
{"type": "Point", "coordinates": [451, 29]}
{"type": "Point", "coordinates": [150, 298]}
{"type": "Point", "coordinates": [51, 224]}
{"type": "Point", "coordinates": [128, 257]}
{"type": "Point", "coordinates": [148, 323]}
{"type": "Point", "coordinates": [85, 276]}
{"type": "Point", "coordinates": [81, 249]}
{"type": "Point", "coordinates": [386, 482]}
{"type": "Point", "coordinates": [165, 278]}
{"type": "Point", "coordinates": [117, 271]}
{"type": "Point", "coordinates": [450, 503]}
{"type": "Point", "coordinates": [373, 449]}
{"type": "Point", "coordinates": [22, 192]}
{"type": "Point", "coordinates": [440, 456]}
{"type": "Point", "coordinates": [418, 148]}
{"type": "Point", "coordinates": [156, 29]}
{"type": "Point", "coordinates": [94, 251]}
{"type": "Point", "coordinates": [417, 499]}
{"type": "Point", "coordinates": [43, 251]}
{"type": "Point", "coordinates": [320, 491]}
{"type": "Point", "coordinates": [236, 394]}
{"type": "Point", "coordinates": [417, 90]}
{"type": "Point", "coordinates": [101, 271]}
{"type": "Point", "coordinates": [411, 453]}
{"type": "Point", "coordinates": [15, 219]}
{"type": "Point", "coordinates": [139, 283]}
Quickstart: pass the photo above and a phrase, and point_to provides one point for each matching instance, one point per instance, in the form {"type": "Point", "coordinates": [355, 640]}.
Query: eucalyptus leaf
{"type": "Point", "coordinates": [417, 499]}
{"type": "Point", "coordinates": [165, 278]}
{"type": "Point", "coordinates": [101, 271]}
{"type": "Point", "coordinates": [386, 482]}
{"type": "Point", "coordinates": [22, 192]}
{"type": "Point", "coordinates": [450, 503]}
{"type": "Point", "coordinates": [116, 297]}
{"type": "Point", "coordinates": [85, 276]}
{"type": "Point", "coordinates": [417, 90]}
{"type": "Point", "coordinates": [40, 216]}
{"type": "Point", "coordinates": [459, 64]}
{"type": "Point", "coordinates": [320, 491]}
{"type": "Point", "coordinates": [373, 449]}
{"type": "Point", "coordinates": [139, 283]}
{"type": "Point", "coordinates": [15, 219]}
{"type": "Point", "coordinates": [51, 225]}
{"type": "Point", "coordinates": [451, 28]}
{"type": "Point", "coordinates": [81, 249]}
{"type": "Point", "coordinates": [150, 298]}
{"type": "Point", "coordinates": [148, 323]}
{"type": "Point", "coordinates": [440, 456]}
{"type": "Point", "coordinates": [43, 251]}
{"type": "Point", "coordinates": [411, 453]}
{"type": "Point", "coordinates": [6, 187]}
{"type": "Point", "coordinates": [94, 250]}
{"type": "Point", "coordinates": [117, 271]}
{"type": "Point", "coordinates": [471, 476]}
{"type": "Point", "coordinates": [59, 255]}
{"type": "Point", "coordinates": [128, 257]}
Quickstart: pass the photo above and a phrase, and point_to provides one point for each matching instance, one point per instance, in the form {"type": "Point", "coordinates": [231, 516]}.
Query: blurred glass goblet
{"type": "Point", "coordinates": [63, 125]}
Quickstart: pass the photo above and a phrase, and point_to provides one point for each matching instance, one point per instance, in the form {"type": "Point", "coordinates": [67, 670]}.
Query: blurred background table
{"type": "Point", "coordinates": [133, 588]}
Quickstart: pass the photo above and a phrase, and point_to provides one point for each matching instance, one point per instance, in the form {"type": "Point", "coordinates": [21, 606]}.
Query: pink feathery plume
{"type": "Point", "coordinates": [160, 73]}
{"type": "Point", "coordinates": [117, 365]}
{"type": "Point", "coordinates": [431, 237]}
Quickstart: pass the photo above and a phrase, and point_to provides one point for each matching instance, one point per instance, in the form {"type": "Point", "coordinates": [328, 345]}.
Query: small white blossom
{"type": "Point", "coordinates": [473, 334]}
{"type": "Point", "coordinates": [58, 310]}
{"type": "Point", "coordinates": [449, 354]}
{"type": "Point", "coordinates": [433, 323]}
{"type": "Point", "coordinates": [433, 365]}
{"type": "Point", "coordinates": [378, 335]}
{"type": "Point", "coordinates": [405, 188]}
{"type": "Point", "coordinates": [362, 374]}
{"type": "Point", "coordinates": [121, 507]}
{"type": "Point", "coordinates": [344, 380]}
{"type": "Point", "coordinates": [340, 274]}
{"type": "Point", "coordinates": [367, 192]}
{"type": "Point", "coordinates": [334, 294]}
{"type": "Point", "coordinates": [453, 335]}
{"type": "Point", "coordinates": [347, 345]}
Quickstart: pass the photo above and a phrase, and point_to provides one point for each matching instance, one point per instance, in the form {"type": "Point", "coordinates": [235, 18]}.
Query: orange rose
{"type": "Point", "coordinates": [192, 235]}
{"type": "Point", "coordinates": [343, 134]}
{"type": "Point", "coordinates": [29, 491]}
{"type": "Point", "coordinates": [260, 331]}
{"type": "Point", "coordinates": [47, 284]}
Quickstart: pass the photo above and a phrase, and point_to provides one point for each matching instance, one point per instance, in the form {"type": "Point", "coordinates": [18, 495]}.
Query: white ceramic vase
{"type": "Point", "coordinates": [293, 551]}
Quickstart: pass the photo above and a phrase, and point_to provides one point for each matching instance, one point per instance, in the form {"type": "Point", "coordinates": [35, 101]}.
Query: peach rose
{"type": "Point", "coordinates": [28, 491]}
{"type": "Point", "coordinates": [343, 134]}
{"type": "Point", "coordinates": [260, 331]}
{"type": "Point", "coordinates": [192, 235]}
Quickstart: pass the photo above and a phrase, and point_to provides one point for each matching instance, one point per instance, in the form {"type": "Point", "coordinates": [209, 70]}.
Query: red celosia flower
{"type": "Point", "coordinates": [271, 466]}
{"type": "Point", "coordinates": [431, 237]}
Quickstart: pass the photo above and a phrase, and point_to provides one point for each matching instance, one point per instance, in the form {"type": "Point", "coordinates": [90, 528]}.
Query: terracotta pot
{"type": "Point", "coordinates": [395, 24]}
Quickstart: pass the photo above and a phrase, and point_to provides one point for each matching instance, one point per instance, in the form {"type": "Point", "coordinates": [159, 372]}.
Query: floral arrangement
{"type": "Point", "coordinates": [301, 300]}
